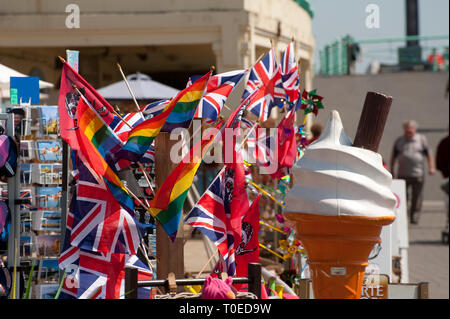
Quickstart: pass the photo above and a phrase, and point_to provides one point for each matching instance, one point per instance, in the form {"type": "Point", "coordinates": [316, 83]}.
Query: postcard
{"type": "Point", "coordinates": [26, 170]}
{"type": "Point", "coordinates": [49, 150]}
{"type": "Point", "coordinates": [26, 245]}
{"type": "Point", "coordinates": [48, 197]}
{"type": "Point", "coordinates": [49, 117]}
{"type": "Point", "coordinates": [47, 245]}
{"type": "Point", "coordinates": [48, 270]}
{"type": "Point", "coordinates": [27, 150]}
{"type": "Point", "coordinates": [47, 221]}
{"type": "Point", "coordinates": [27, 197]}
{"type": "Point", "coordinates": [46, 291]}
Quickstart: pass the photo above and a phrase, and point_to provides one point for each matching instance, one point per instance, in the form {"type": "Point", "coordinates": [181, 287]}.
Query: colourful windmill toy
{"type": "Point", "coordinates": [311, 102]}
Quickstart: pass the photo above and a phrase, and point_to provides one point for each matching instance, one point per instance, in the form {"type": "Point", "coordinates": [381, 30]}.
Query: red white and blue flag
{"type": "Point", "coordinates": [154, 108]}
{"type": "Point", "coordinates": [102, 276]}
{"type": "Point", "coordinates": [265, 79]}
{"type": "Point", "coordinates": [290, 74]}
{"type": "Point", "coordinates": [261, 147]}
{"type": "Point", "coordinates": [100, 223]}
{"type": "Point", "coordinates": [218, 213]}
{"type": "Point", "coordinates": [208, 215]}
{"type": "Point", "coordinates": [217, 91]}
{"type": "Point", "coordinates": [122, 129]}
{"type": "Point", "coordinates": [149, 156]}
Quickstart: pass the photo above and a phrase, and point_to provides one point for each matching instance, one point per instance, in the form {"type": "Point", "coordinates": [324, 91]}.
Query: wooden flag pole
{"type": "Point", "coordinates": [147, 177]}
{"type": "Point", "coordinates": [206, 264]}
{"type": "Point", "coordinates": [128, 86]}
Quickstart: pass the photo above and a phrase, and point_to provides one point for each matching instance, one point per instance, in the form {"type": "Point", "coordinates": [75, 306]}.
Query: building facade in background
{"type": "Point", "coordinates": [168, 40]}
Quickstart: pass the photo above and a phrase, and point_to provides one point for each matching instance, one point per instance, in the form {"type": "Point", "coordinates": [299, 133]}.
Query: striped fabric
{"type": "Point", "coordinates": [167, 204]}
{"type": "Point", "coordinates": [97, 142]}
{"type": "Point", "coordinates": [290, 74]}
{"type": "Point", "coordinates": [184, 110]}
{"type": "Point", "coordinates": [154, 108]}
{"type": "Point", "coordinates": [142, 135]}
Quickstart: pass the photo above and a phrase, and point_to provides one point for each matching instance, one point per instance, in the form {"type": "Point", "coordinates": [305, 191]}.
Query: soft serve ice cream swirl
{"type": "Point", "coordinates": [334, 178]}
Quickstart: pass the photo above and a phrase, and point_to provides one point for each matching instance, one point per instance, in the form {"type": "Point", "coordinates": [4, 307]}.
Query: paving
{"type": "Point", "coordinates": [428, 255]}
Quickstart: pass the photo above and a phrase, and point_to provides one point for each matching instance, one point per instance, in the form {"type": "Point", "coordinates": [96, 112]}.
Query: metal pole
{"type": "Point", "coordinates": [64, 192]}
{"type": "Point", "coordinates": [131, 284]}
{"type": "Point", "coordinates": [254, 276]}
{"type": "Point", "coordinates": [13, 194]}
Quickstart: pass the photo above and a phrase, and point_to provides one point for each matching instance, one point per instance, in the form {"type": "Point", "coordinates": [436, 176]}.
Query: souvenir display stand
{"type": "Point", "coordinates": [39, 198]}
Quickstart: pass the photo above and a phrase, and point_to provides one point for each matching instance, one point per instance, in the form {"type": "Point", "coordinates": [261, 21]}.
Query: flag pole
{"type": "Point", "coordinates": [273, 227]}
{"type": "Point", "coordinates": [266, 193]}
{"type": "Point", "coordinates": [206, 264]}
{"type": "Point", "coordinates": [147, 177]}
{"type": "Point", "coordinates": [128, 86]}
{"type": "Point", "coordinates": [114, 111]}
{"type": "Point", "coordinates": [136, 198]}
{"type": "Point", "coordinates": [139, 111]}
{"type": "Point", "coordinates": [271, 251]}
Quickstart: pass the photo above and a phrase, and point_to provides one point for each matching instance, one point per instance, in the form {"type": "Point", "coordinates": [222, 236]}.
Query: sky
{"type": "Point", "coordinates": [334, 19]}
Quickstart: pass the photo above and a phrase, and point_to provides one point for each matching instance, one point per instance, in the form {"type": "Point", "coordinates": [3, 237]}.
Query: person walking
{"type": "Point", "coordinates": [410, 152]}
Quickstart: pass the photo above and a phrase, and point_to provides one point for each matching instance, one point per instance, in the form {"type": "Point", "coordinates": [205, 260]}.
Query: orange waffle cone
{"type": "Point", "coordinates": [338, 249]}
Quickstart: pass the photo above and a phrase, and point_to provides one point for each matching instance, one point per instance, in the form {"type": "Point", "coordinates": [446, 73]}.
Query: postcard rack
{"type": "Point", "coordinates": [38, 198]}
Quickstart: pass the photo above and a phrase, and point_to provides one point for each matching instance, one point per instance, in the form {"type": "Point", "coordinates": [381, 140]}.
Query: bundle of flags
{"type": "Point", "coordinates": [102, 235]}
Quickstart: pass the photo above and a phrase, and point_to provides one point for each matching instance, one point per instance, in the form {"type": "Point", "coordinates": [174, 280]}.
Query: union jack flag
{"type": "Point", "coordinates": [261, 147]}
{"type": "Point", "coordinates": [102, 276]}
{"type": "Point", "coordinates": [208, 215]}
{"type": "Point", "coordinates": [122, 129]}
{"type": "Point", "coordinates": [219, 211]}
{"type": "Point", "coordinates": [217, 91]}
{"type": "Point", "coordinates": [100, 223]}
{"type": "Point", "coordinates": [149, 156]}
{"type": "Point", "coordinates": [154, 108]}
{"type": "Point", "coordinates": [290, 73]}
{"type": "Point", "coordinates": [265, 79]}
{"type": "Point", "coordinates": [69, 257]}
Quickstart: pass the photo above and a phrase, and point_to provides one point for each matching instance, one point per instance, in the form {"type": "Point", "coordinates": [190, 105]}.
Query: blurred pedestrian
{"type": "Point", "coordinates": [443, 165]}
{"type": "Point", "coordinates": [410, 151]}
{"type": "Point", "coordinates": [442, 160]}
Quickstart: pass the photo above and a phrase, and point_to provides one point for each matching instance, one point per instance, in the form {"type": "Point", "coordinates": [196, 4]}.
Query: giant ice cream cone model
{"type": "Point", "coordinates": [339, 203]}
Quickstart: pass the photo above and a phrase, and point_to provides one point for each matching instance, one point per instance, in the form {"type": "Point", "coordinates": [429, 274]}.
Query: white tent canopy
{"type": "Point", "coordinates": [6, 73]}
{"type": "Point", "coordinates": [143, 87]}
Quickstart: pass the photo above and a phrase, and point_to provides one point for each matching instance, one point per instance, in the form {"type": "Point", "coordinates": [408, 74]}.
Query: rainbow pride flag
{"type": "Point", "coordinates": [184, 110]}
{"type": "Point", "coordinates": [142, 135]}
{"type": "Point", "coordinates": [167, 204]}
{"type": "Point", "coordinates": [96, 142]}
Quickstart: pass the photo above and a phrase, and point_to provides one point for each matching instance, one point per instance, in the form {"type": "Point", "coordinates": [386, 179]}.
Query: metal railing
{"type": "Point", "coordinates": [335, 58]}
{"type": "Point", "coordinates": [132, 284]}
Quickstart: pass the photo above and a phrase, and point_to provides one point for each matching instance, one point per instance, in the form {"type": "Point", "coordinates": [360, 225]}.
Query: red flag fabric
{"type": "Point", "coordinates": [248, 249]}
{"type": "Point", "coordinates": [68, 101]}
{"type": "Point", "coordinates": [287, 146]}
{"type": "Point", "coordinates": [236, 199]}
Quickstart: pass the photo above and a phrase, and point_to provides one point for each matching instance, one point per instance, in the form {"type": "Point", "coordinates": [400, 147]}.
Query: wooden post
{"type": "Point", "coordinates": [423, 290]}
{"type": "Point", "coordinates": [304, 289]}
{"type": "Point", "coordinates": [170, 256]}
{"type": "Point", "coordinates": [372, 121]}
